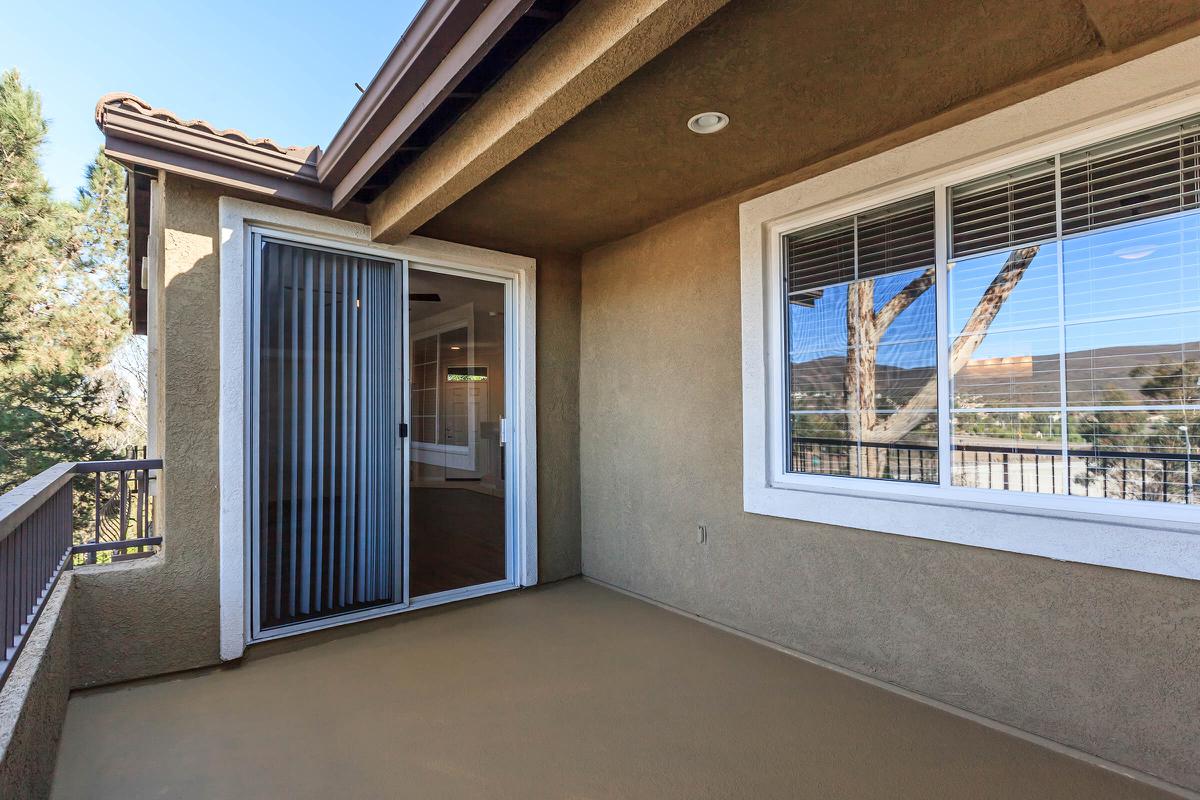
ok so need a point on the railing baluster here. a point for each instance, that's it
(123, 512)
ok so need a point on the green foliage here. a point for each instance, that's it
(62, 291)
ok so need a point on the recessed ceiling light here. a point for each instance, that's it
(708, 122)
(1134, 252)
(455, 347)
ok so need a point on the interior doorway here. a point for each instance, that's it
(458, 520)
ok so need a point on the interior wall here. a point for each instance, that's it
(558, 307)
(1101, 659)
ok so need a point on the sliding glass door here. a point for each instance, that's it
(377, 439)
(325, 436)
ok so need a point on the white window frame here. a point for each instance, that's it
(1144, 536)
(237, 219)
(454, 456)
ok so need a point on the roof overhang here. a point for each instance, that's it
(446, 40)
(138, 134)
(443, 43)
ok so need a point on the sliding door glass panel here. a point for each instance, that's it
(326, 431)
(457, 522)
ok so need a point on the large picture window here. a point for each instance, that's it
(1067, 339)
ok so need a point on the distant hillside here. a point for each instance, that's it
(1019, 381)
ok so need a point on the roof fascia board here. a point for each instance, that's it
(469, 50)
(438, 25)
(131, 126)
(203, 166)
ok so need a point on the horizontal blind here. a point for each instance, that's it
(821, 256)
(326, 432)
(896, 238)
(1003, 211)
(1146, 175)
(884, 241)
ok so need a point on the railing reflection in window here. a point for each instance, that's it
(1113, 474)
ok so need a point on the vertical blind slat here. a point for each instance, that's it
(326, 398)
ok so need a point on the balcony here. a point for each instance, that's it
(569, 690)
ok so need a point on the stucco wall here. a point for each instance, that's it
(1101, 659)
(161, 614)
(33, 701)
(558, 416)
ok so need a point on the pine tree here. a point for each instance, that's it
(60, 300)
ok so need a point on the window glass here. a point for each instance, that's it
(1072, 322)
(862, 345)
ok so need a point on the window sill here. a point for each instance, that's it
(1163, 546)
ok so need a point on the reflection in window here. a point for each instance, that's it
(862, 345)
(1074, 359)
(1072, 329)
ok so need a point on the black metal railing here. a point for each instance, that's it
(40, 531)
(119, 510)
(1091, 472)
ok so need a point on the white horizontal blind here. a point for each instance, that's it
(819, 257)
(896, 238)
(1149, 174)
(326, 428)
(1005, 210)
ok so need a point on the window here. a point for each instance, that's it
(1064, 357)
(862, 337)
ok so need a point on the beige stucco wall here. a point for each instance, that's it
(1101, 659)
(33, 700)
(558, 416)
(161, 614)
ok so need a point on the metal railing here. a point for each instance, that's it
(119, 508)
(1091, 472)
(39, 531)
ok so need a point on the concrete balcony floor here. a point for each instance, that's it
(566, 691)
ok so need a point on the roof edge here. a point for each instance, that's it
(137, 133)
(436, 28)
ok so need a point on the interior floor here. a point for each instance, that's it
(568, 690)
(456, 539)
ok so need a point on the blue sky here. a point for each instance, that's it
(284, 70)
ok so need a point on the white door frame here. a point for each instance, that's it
(237, 218)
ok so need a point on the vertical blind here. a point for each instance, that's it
(326, 432)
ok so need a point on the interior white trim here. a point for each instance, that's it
(1146, 537)
(236, 217)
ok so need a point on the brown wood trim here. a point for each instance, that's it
(166, 135)
(229, 173)
(436, 29)
(475, 43)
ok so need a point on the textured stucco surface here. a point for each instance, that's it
(565, 691)
(594, 48)
(33, 702)
(802, 82)
(160, 614)
(1100, 659)
(558, 416)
